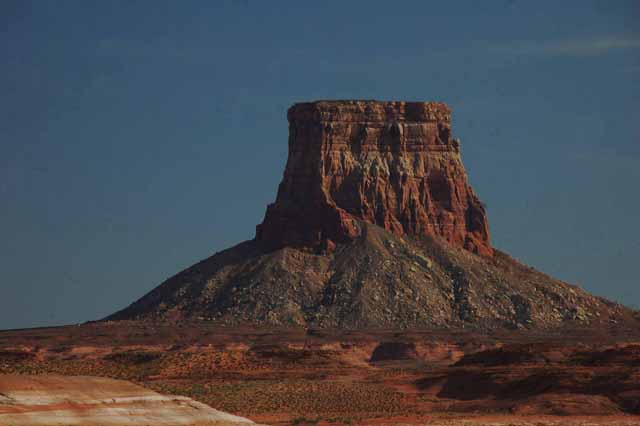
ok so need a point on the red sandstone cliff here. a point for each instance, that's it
(393, 164)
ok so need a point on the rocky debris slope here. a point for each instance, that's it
(375, 225)
(48, 400)
(376, 280)
(393, 164)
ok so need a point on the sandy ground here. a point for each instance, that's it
(513, 421)
(292, 377)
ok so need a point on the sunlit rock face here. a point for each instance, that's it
(393, 164)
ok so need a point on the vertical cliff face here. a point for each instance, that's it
(393, 164)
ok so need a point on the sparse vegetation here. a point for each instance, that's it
(331, 379)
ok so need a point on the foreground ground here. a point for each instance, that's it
(374, 377)
(53, 400)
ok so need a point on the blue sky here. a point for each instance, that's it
(138, 137)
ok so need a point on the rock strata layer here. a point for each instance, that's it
(53, 400)
(392, 164)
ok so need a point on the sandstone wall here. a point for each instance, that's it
(394, 164)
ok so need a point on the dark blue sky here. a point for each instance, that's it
(137, 137)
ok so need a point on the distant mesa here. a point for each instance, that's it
(374, 225)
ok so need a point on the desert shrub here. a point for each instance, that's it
(132, 357)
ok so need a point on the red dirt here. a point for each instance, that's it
(293, 376)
